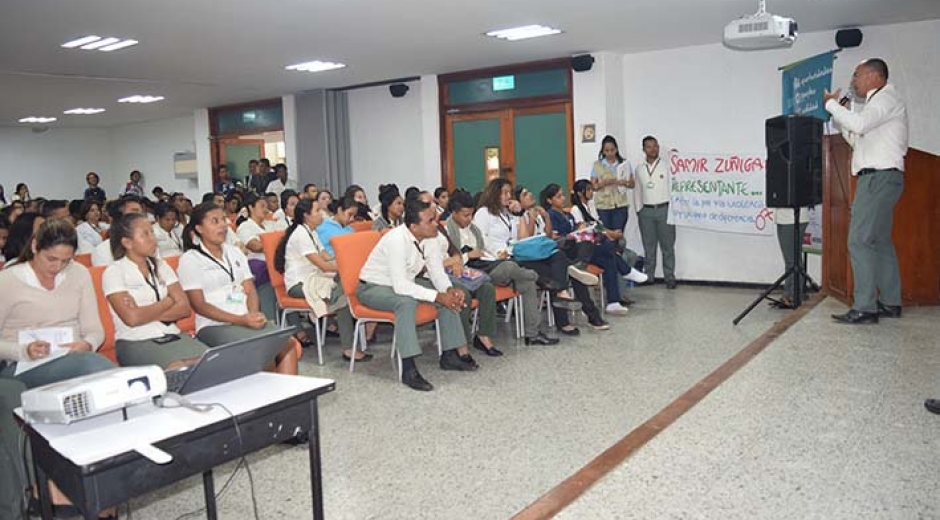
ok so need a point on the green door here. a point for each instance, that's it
(237, 154)
(541, 144)
(470, 141)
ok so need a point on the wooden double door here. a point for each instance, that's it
(529, 146)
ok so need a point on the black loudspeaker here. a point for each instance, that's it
(582, 63)
(794, 161)
(847, 38)
(398, 89)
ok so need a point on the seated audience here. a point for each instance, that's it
(167, 231)
(22, 193)
(101, 254)
(20, 235)
(392, 209)
(91, 231)
(249, 234)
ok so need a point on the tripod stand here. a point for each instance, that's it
(798, 271)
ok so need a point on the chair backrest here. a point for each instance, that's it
(84, 259)
(173, 262)
(104, 313)
(352, 250)
(269, 243)
(362, 225)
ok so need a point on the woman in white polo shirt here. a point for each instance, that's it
(249, 233)
(167, 231)
(220, 288)
(91, 230)
(146, 299)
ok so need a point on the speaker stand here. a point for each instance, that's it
(800, 277)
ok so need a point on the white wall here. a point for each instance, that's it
(395, 139)
(711, 99)
(53, 163)
(149, 147)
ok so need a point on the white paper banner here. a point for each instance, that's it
(719, 192)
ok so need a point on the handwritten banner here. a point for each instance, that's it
(719, 192)
(803, 85)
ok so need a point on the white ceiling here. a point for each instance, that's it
(199, 53)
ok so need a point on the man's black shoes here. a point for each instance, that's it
(412, 379)
(889, 311)
(854, 317)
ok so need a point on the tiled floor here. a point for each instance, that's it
(826, 423)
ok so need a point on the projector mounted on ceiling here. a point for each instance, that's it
(761, 30)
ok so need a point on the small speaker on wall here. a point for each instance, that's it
(398, 89)
(582, 63)
(848, 38)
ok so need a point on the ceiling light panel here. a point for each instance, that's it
(100, 43)
(315, 66)
(141, 99)
(33, 119)
(84, 111)
(524, 32)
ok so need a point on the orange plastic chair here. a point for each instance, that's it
(104, 313)
(506, 293)
(352, 250)
(288, 305)
(84, 259)
(363, 225)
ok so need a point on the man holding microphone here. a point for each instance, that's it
(878, 136)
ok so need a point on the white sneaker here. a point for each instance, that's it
(636, 276)
(582, 276)
(616, 309)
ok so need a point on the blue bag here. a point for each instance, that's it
(534, 248)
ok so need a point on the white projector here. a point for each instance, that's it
(94, 394)
(760, 31)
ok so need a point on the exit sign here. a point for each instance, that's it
(504, 83)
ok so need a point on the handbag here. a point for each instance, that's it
(470, 279)
(534, 248)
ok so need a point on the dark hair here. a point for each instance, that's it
(250, 200)
(308, 185)
(52, 205)
(363, 215)
(208, 196)
(21, 230)
(199, 214)
(89, 174)
(265, 161)
(116, 208)
(352, 190)
(388, 194)
(20, 186)
(280, 166)
(285, 196)
(413, 210)
(302, 208)
(3, 197)
(253, 161)
(580, 188)
(878, 65)
(440, 190)
(610, 139)
(137, 172)
(547, 193)
(649, 138)
(342, 204)
(459, 200)
(75, 208)
(123, 228)
(86, 207)
(51, 233)
(163, 208)
(412, 192)
(489, 198)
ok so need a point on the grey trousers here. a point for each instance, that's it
(344, 320)
(874, 262)
(785, 238)
(12, 476)
(148, 352)
(383, 298)
(486, 322)
(523, 280)
(656, 232)
(216, 335)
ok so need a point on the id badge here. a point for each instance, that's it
(650, 185)
(236, 296)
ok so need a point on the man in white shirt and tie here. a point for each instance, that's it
(651, 199)
(391, 281)
(878, 136)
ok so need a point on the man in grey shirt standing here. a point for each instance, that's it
(878, 136)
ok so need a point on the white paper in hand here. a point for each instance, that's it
(54, 336)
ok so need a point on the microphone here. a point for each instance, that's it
(846, 99)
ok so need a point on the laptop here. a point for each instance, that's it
(228, 362)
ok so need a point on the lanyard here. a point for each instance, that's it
(230, 271)
(649, 172)
(152, 279)
(424, 268)
(176, 240)
(313, 240)
(506, 221)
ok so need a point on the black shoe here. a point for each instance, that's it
(932, 405)
(889, 311)
(542, 339)
(572, 332)
(412, 379)
(492, 351)
(670, 284)
(599, 324)
(451, 361)
(366, 357)
(297, 440)
(330, 333)
(626, 302)
(854, 317)
(468, 359)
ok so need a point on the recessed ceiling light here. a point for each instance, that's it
(315, 66)
(140, 99)
(522, 33)
(84, 111)
(33, 119)
(90, 43)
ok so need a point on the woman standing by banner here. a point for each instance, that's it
(611, 176)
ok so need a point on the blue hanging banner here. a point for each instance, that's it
(804, 83)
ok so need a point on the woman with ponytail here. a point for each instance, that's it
(146, 299)
(220, 287)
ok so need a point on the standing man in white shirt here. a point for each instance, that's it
(878, 136)
(651, 197)
(391, 281)
(281, 183)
